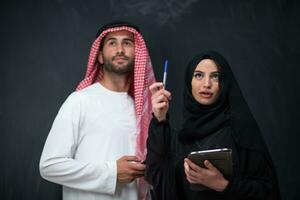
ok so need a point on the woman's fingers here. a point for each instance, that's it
(160, 105)
(210, 166)
(190, 176)
(161, 92)
(193, 172)
(160, 100)
(193, 166)
(190, 179)
(155, 87)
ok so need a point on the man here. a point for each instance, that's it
(97, 142)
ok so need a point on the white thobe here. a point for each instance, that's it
(93, 128)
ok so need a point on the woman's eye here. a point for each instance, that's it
(198, 75)
(215, 77)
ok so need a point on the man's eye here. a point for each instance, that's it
(128, 43)
(112, 43)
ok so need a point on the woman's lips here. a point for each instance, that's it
(206, 94)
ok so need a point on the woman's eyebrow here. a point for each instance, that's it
(198, 71)
(214, 72)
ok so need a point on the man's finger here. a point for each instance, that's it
(139, 173)
(137, 166)
(131, 158)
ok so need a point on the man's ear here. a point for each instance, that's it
(100, 57)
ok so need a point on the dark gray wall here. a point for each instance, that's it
(44, 49)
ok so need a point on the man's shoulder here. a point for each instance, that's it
(89, 90)
(87, 95)
(74, 98)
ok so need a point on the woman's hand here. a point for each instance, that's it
(160, 100)
(210, 176)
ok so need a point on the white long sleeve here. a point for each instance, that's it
(88, 135)
(57, 162)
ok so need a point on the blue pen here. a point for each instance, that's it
(165, 74)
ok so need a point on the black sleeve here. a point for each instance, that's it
(160, 171)
(255, 181)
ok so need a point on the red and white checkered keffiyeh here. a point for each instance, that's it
(143, 78)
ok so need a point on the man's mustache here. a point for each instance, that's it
(120, 55)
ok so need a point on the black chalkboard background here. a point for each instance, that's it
(44, 47)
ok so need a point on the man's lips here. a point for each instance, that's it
(120, 58)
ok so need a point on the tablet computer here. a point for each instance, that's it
(220, 158)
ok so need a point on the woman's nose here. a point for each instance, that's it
(207, 82)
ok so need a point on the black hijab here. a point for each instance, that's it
(229, 109)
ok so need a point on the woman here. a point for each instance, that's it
(215, 116)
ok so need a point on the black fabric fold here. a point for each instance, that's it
(230, 120)
(231, 108)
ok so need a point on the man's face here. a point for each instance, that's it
(117, 55)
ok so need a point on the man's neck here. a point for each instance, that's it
(115, 82)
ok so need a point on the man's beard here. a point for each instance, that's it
(121, 69)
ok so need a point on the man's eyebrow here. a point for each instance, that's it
(129, 39)
(113, 38)
(110, 38)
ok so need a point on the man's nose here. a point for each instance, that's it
(120, 48)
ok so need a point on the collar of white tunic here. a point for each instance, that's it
(98, 84)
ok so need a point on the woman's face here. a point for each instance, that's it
(205, 82)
